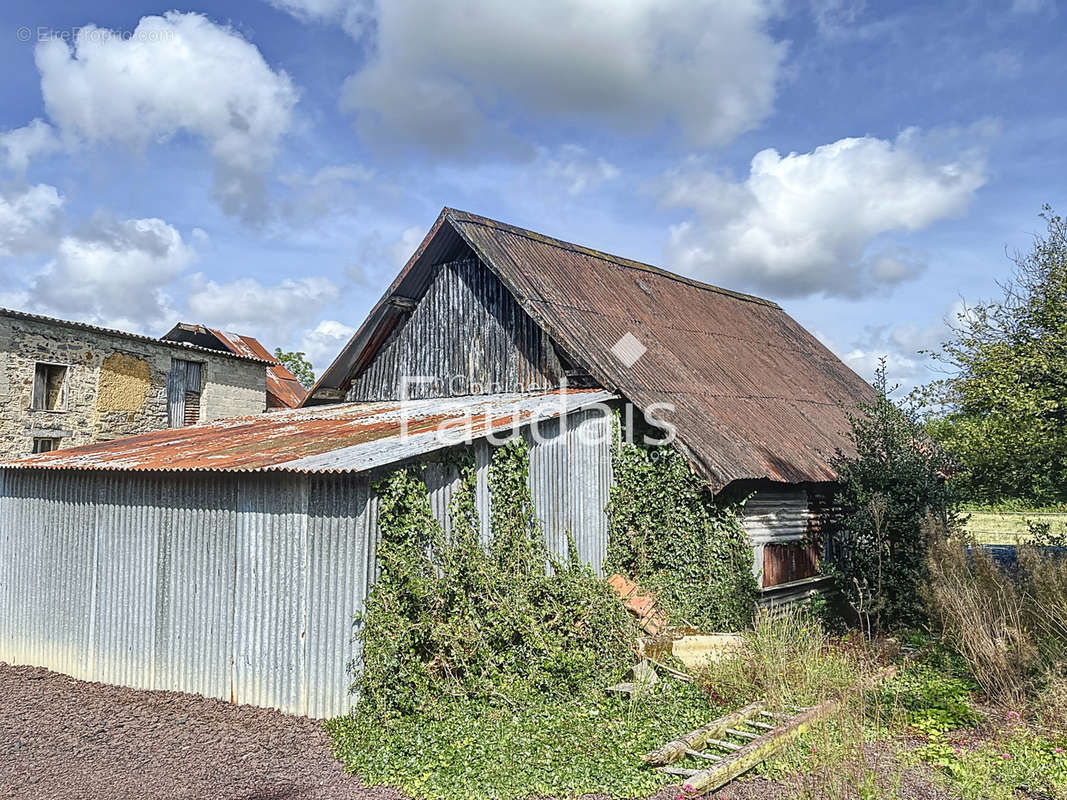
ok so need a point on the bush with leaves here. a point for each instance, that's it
(886, 489)
(1004, 403)
(451, 620)
(667, 533)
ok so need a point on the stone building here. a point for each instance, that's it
(67, 383)
(283, 389)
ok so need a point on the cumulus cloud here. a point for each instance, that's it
(455, 78)
(818, 222)
(322, 343)
(21, 145)
(176, 73)
(114, 273)
(248, 306)
(30, 219)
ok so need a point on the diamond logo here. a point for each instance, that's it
(628, 350)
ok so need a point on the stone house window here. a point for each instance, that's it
(49, 387)
(44, 445)
(184, 385)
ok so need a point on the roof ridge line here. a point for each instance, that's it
(629, 263)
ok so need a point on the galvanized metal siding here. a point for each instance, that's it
(775, 516)
(570, 481)
(47, 571)
(342, 545)
(224, 586)
(240, 587)
(196, 557)
(469, 335)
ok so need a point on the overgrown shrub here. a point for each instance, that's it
(449, 619)
(667, 534)
(894, 480)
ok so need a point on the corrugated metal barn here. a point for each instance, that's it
(230, 559)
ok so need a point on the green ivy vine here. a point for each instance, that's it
(451, 620)
(667, 533)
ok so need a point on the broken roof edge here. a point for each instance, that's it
(138, 337)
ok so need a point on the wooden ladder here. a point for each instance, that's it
(718, 740)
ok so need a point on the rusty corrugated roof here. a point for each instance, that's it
(281, 383)
(755, 395)
(350, 437)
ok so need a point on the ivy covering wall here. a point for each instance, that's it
(449, 619)
(667, 533)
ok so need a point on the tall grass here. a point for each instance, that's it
(788, 660)
(1010, 628)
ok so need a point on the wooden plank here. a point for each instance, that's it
(756, 751)
(698, 754)
(742, 734)
(695, 740)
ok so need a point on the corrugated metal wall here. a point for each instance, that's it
(240, 587)
(773, 518)
(470, 335)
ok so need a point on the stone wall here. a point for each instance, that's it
(115, 385)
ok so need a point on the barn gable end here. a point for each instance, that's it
(466, 335)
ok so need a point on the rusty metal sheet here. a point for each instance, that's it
(756, 395)
(351, 437)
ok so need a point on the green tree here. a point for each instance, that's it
(297, 363)
(1004, 406)
(886, 489)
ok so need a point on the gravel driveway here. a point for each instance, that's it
(64, 738)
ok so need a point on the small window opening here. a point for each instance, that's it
(49, 387)
(44, 445)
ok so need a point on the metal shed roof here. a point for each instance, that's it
(349, 437)
(755, 395)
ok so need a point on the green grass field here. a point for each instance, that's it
(1009, 527)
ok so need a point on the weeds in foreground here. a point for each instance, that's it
(786, 658)
(1011, 629)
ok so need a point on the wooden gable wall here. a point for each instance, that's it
(467, 335)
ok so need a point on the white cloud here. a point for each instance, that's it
(22, 145)
(175, 73)
(270, 312)
(578, 170)
(114, 273)
(29, 219)
(816, 222)
(903, 346)
(456, 78)
(353, 15)
(322, 343)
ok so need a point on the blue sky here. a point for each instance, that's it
(268, 166)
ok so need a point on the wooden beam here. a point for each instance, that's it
(695, 740)
(744, 759)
